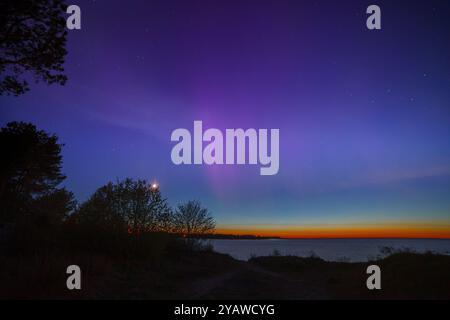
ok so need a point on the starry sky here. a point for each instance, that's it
(364, 116)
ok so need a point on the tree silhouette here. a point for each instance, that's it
(192, 219)
(129, 204)
(163, 215)
(32, 43)
(101, 210)
(53, 208)
(30, 167)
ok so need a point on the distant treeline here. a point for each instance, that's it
(230, 236)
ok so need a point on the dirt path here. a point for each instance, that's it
(203, 287)
(249, 281)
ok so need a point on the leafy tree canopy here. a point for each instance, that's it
(131, 204)
(32, 43)
(30, 165)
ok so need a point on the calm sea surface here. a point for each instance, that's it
(328, 249)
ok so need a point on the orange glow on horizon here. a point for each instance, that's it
(396, 230)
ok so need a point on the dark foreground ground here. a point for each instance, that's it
(209, 275)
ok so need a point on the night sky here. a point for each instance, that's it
(364, 116)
